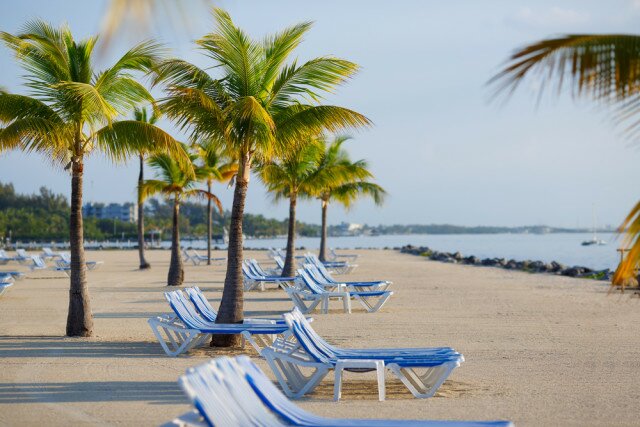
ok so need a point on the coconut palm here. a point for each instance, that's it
(257, 105)
(602, 67)
(286, 177)
(141, 115)
(339, 179)
(72, 113)
(213, 167)
(176, 183)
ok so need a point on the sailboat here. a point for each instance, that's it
(594, 240)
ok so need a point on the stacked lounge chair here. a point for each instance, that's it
(235, 392)
(65, 262)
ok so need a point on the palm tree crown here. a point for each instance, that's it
(258, 104)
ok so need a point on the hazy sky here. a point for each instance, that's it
(440, 149)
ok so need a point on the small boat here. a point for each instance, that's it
(594, 240)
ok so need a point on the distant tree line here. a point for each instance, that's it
(45, 216)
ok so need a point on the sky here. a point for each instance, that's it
(441, 149)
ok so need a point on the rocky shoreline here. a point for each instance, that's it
(528, 266)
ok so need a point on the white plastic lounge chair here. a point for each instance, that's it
(197, 259)
(22, 256)
(311, 291)
(422, 371)
(253, 280)
(185, 329)
(65, 262)
(338, 267)
(5, 258)
(16, 275)
(333, 256)
(5, 283)
(274, 271)
(235, 392)
(48, 253)
(39, 264)
(322, 280)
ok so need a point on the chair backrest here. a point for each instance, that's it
(305, 326)
(185, 311)
(47, 252)
(221, 393)
(248, 271)
(304, 340)
(38, 262)
(313, 271)
(3, 254)
(65, 257)
(255, 266)
(22, 253)
(279, 261)
(201, 303)
(269, 393)
(308, 281)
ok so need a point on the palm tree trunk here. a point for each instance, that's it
(176, 271)
(209, 224)
(323, 236)
(79, 318)
(289, 261)
(143, 262)
(231, 307)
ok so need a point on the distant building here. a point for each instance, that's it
(348, 229)
(126, 212)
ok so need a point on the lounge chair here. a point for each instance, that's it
(338, 267)
(186, 328)
(16, 275)
(5, 258)
(310, 291)
(274, 271)
(333, 256)
(253, 280)
(22, 256)
(288, 361)
(39, 264)
(328, 282)
(235, 392)
(48, 253)
(65, 262)
(197, 259)
(5, 283)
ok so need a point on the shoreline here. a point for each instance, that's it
(528, 266)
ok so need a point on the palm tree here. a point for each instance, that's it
(285, 178)
(602, 67)
(341, 180)
(213, 167)
(258, 105)
(141, 115)
(72, 113)
(176, 183)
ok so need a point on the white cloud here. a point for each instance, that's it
(552, 17)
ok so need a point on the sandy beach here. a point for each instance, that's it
(540, 349)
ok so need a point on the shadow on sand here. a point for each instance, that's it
(50, 346)
(154, 392)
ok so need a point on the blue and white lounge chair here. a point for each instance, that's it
(22, 256)
(253, 280)
(333, 256)
(321, 279)
(235, 392)
(193, 256)
(16, 275)
(5, 258)
(48, 253)
(274, 271)
(38, 263)
(338, 267)
(313, 293)
(65, 262)
(6, 281)
(186, 328)
(421, 370)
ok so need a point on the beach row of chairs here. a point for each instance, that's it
(61, 262)
(191, 255)
(300, 359)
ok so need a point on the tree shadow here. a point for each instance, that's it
(48, 346)
(126, 315)
(154, 392)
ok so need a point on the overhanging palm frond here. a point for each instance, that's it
(348, 193)
(628, 267)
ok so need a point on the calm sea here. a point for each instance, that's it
(564, 248)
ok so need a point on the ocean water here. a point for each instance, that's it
(560, 247)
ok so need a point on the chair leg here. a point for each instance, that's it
(427, 384)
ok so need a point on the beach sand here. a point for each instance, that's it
(540, 349)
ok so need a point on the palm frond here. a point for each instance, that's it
(630, 226)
